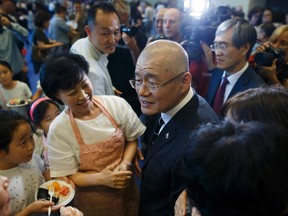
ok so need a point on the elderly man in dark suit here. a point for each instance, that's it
(233, 43)
(163, 84)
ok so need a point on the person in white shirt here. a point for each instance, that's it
(103, 32)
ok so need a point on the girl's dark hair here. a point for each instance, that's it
(62, 71)
(40, 110)
(6, 64)
(9, 122)
(40, 18)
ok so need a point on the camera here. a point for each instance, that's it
(131, 32)
(203, 30)
(192, 45)
(267, 57)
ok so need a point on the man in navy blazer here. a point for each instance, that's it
(233, 43)
(163, 84)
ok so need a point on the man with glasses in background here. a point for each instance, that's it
(231, 73)
(172, 109)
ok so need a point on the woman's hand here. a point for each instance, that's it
(115, 179)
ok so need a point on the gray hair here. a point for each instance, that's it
(243, 33)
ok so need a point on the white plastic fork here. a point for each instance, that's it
(51, 193)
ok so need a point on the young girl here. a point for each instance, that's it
(25, 171)
(11, 89)
(42, 112)
(93, 141)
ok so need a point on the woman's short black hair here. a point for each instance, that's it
(62, 71)
(40, 18)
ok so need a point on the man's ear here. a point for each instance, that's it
(186, 80)
(88, 31)
(246, 47)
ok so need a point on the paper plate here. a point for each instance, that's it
(17, 105)
(63, 200)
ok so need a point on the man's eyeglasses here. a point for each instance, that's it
(150, 86)
(221, 46)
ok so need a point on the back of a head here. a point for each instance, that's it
(175, 58)
(268, 28)
(59, 8)
(237, 169)
(267, 104)
(122, 7)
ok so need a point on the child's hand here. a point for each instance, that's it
(37, 207)
(115, 179)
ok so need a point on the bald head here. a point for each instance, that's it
(172, 24)
(170, 55)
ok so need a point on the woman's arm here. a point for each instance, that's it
(128, 155)
(44, 46)
(107, 177)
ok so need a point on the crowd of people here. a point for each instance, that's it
(140, 112)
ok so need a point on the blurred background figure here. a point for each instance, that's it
(40, 39)
(264, 31)
(158, 23)
(148, 18)
(272, 58)
(254, 16)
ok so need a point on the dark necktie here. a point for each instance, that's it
(219, 98)
(156, 131)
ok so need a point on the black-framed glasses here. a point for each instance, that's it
(219, 46)
(150, 86)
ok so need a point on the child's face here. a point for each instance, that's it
(6, 76)
(79, 98)
(4, 197)
(51, 113)
(20, 149)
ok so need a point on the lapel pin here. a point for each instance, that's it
(167, 135)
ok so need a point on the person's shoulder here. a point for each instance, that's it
(21, 84)
(61, 120)
(111, 99)
(81, 46)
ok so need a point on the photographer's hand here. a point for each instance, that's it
(261, 48)
(132, 45)
(208, 56)
(270, 73)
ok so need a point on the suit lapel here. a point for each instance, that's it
(175, 126)
(241, 83)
